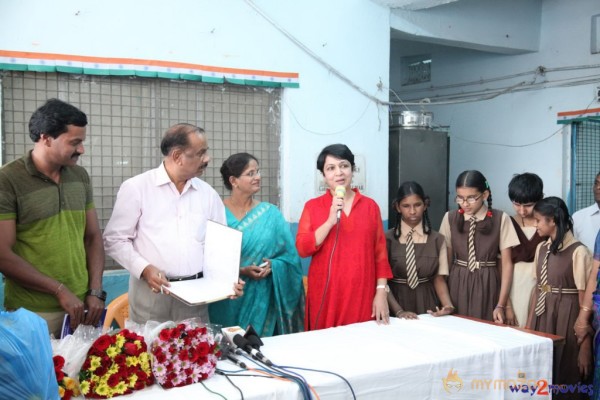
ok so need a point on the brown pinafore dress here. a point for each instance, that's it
(561, 311)
(476, 293)
(423, 297)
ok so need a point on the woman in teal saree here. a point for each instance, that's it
(273, 300)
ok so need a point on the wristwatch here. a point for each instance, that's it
(384, 287)
(99, 293)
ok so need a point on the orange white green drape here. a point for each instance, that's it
(567, 117)
(74, 64)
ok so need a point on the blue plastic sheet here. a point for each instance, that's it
(26, 366)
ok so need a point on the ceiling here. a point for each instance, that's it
(503, 27)
(413, 5)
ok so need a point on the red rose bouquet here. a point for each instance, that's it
(184, 354)
(67, 386)
(115, 365)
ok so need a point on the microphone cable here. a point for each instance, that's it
(322, 371)
(270, 372)
(212, 391)
(300, 377)
(220, 372)
(337, 233)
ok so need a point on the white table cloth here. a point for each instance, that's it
(408, 359)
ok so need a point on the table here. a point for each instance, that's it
(413, 359)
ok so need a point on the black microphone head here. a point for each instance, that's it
(254, 341)
(252, 336)
(240, 341)
(250, 331)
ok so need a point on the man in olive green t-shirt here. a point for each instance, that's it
(51, 251)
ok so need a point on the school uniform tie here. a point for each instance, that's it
(472, 261)
(540, 306)
(411, 261)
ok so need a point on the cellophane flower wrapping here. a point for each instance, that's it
(184, 353)
(116, 364)
(73, 348)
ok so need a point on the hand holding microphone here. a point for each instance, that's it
(340, 192)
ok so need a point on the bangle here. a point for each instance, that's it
(58, 289)
(500, 306)
(584, 308)
(448, 308)
(582, 326)
(399, 312)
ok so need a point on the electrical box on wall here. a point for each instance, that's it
(597, 94)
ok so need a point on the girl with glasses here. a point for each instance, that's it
(419, 258)
(476, 235)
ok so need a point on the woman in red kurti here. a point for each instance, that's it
(347, 278)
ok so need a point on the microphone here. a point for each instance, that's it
(245, 345)
(230, 332)
(227, 352)
(252, 336)
(237, 362)
(340, 192)
(254, 341)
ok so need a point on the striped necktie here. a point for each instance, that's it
(540, 306)
(472, 264)
(411, 261)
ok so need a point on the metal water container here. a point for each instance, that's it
(416, 119)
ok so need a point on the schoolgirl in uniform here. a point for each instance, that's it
(563, 265)
(524, 190)
(418, 257)
(476, 235)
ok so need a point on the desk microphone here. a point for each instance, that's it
(228, 355)
(245, 345)
(340, 192)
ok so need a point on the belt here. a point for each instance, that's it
(185, 278)
(557, 290)
(405, 281)
(478, 264)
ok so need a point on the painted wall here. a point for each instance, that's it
(350, 36)
(480, 131)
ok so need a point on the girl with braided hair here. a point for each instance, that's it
(412, 244)
(479, 241)
(563, 266)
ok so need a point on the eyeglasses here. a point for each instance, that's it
(252, 174)
(470, 199)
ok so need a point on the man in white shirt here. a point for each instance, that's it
(586, 222)
(158, 225)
